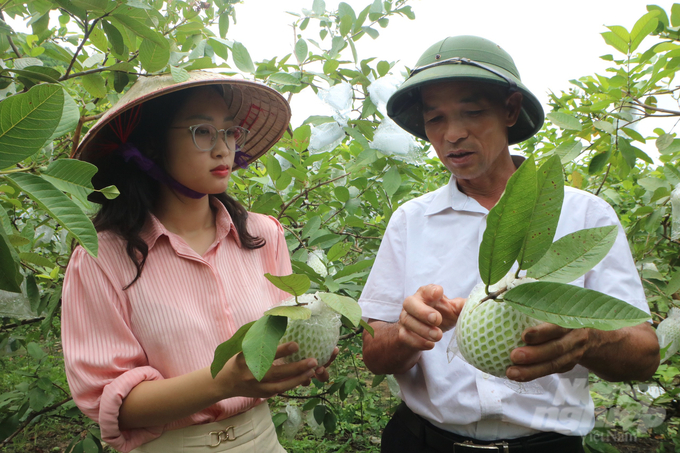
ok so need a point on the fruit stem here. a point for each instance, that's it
(494, 295)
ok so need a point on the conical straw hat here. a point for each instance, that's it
(258, 108)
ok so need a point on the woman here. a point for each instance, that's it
(180, 268)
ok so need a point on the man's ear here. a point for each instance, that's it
(513, 105)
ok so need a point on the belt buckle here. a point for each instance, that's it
(227, 434)
(494, 446)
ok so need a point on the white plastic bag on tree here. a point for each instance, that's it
(318, 430)
(381, 90)
(394, 141)
(339, 98)
(668, 332)
(293, 423)
(326, 137)
(675, 213)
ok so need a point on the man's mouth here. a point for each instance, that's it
(458, 154)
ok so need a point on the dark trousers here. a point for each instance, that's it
(410, 433)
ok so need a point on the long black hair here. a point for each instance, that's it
(126, 214)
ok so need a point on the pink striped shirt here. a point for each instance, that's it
(169, 322)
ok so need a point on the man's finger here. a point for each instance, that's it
(543, 333)
(430, 294)
(426, 331)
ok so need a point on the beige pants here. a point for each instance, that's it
(250, 432)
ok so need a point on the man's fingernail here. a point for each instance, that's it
(432, 318)
(311, 363)
(513, 374)
(520, 356)
(433, 334)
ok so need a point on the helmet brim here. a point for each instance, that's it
(405, 106)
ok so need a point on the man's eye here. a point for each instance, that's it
(434, 119)
(474, 112)
(203, 131)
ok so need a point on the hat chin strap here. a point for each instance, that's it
(129, 152)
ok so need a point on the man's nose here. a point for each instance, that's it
(455, 131)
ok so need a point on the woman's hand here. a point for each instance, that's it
(321, 373)
(235, 379)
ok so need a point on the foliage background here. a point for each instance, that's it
(333, 196)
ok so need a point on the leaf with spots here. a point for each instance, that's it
(546, 213)
(573, 307)
(574, 254)
(507, 224)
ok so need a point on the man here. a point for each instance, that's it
(466, 98)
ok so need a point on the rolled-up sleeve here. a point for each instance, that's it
(103, 359)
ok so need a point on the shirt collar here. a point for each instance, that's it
(153, 228)
(450, 197)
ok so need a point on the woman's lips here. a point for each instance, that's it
(220, 171)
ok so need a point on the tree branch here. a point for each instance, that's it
(76, 134)
(306, 191)
(96, 70)
(637, 103)
(33, 416)
(80, 46)
(597, 192)
(6, 327)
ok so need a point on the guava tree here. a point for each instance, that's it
(594, 129)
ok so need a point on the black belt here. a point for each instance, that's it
(448, 442)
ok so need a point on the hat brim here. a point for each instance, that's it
(405, 106)
(257, 107)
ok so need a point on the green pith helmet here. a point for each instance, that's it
(464, 58)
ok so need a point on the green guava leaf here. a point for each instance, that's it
(27, 121)
(368, 328)
(10, 273)
(565, 121)
(574, 254)
(60, 207)
(290, 311)
(295, 284)
(260, 343)
(229, 349)
(242, 58)
(573, 307)
(346, 306)
(507, 224)
(154, 57)
(72, 176)
(546, 213)
(70, 116)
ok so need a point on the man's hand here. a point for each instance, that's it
(426, 315)
(626, 354)
(550, 349)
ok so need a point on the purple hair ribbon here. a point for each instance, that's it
(241, 159)
(131, 153)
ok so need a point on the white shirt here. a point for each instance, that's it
(435, 239)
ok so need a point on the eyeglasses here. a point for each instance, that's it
(205, 136)
(466, 61)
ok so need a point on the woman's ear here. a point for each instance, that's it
(513, 105)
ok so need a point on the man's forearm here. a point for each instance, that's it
(384, 353)
(627, 354)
